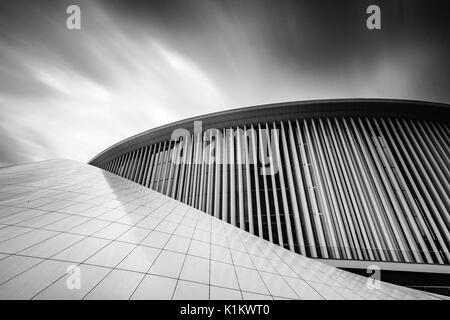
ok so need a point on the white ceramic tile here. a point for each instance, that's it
(198, 248)
(168, 264)
(12, 231)
(140, 259)
(130, 219)
(277, 286)
(156, 239)
(52, 246)
(184, 231)
(178, 244)
(250, 280)
(255, 296)
(326, 292)
(167, 227)
(303, 289)
(224, 294)
(221, 254)
(263, 264)
(112, 231)
(134, 235)
(14, 265)
(24, 241)
(75, 284)
(32, 281)
(118, 284)
(191, 291)
(43, 220)
(89, 227)
(241, 259)
(81, 250)
(66, 223)
(196, 269)
(223, 275)
(149, 223)
(111, 255)
(113, 215)
(155, 288)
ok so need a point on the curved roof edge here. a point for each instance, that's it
(282, 111)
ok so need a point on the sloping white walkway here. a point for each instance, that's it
(72, 231)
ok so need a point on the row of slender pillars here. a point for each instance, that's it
(344, 188)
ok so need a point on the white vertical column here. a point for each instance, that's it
(427, 186)
(139, 162)
(333, 151)
(438, 172)
(160, 163)
(189, 167)
(202, 192)
(172, 166)
(240, 185)
(210, 176)
(375, 213)
(291, 189)
(167, 164)
(435, 149)
(444, 142)
(404, 202)
(152, 166)
(124, 164)
(440, 144)
(445, 131)
(393, 238)
(113, 165)
(424, 163)
(116, 165)
(121, 165)
(311, 193)
(339, 226)
(232, 179)
(180, 185)
(365, 222)
(218, 164)
(385, 198)
(325, 215)
(407, 167)
(265, 187)
(287, 219)
(144, 165)
(133, 165)
(399, 204)
(256, 177)
(246, 159)
(225, 161)
(129, 165)
(196, 164)
(301, 193)
(148, 164)
(274, 185)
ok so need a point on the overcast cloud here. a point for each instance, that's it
(135, 65)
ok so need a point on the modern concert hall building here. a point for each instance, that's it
(351, 183)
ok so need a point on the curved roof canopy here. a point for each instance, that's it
(279, 112)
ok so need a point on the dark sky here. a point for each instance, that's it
(135, 65)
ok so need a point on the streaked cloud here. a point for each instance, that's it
(70, 94)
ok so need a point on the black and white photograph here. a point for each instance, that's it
(224, 150)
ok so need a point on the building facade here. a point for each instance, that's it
(365, 180)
